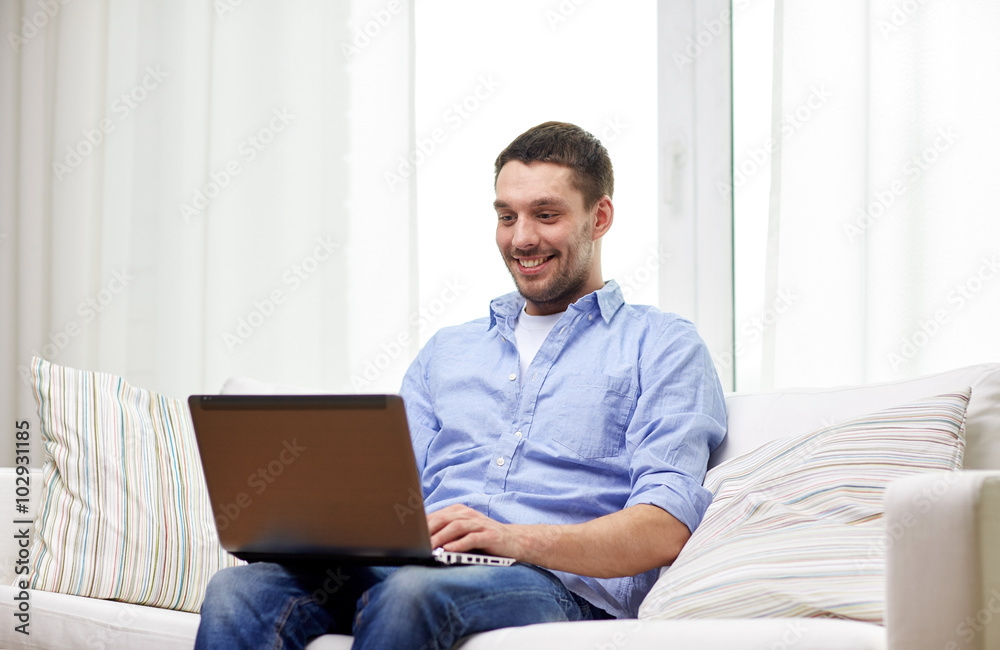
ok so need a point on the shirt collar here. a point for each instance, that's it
(606, 300)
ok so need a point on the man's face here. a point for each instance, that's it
(545, 235)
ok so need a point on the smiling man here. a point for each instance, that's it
(568, 430)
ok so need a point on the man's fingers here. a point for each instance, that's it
(435, 522)
(454, 530)
(470, 542)
(456, 512)
(439, 519)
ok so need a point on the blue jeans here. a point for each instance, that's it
(270, 606)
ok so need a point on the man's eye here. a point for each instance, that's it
(546, 215)
(505, 217)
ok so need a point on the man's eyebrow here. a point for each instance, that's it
(537, 203)
(544, 201)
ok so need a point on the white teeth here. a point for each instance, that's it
(531, 263)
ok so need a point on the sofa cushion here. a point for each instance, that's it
(61, 621)
(757, 418)
(716, 634)
(123, 511)
(795, 528)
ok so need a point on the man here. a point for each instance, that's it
(568, 430)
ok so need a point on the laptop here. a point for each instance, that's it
(316, 478)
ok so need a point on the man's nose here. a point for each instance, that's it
(525, 234)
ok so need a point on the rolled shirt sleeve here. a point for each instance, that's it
(679, 418)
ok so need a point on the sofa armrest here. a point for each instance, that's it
(943, 561)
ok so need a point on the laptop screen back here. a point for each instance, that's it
(311, 475)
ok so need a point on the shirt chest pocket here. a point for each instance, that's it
(592, 414)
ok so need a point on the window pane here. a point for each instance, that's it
(752, 46)
(887, 253)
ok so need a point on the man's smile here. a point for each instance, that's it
(532, 265)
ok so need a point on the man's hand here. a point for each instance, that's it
(461, 529)
(625, 543)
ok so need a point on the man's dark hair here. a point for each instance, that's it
(569, 145)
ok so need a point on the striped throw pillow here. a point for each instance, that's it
(124, 512)
(795, 528)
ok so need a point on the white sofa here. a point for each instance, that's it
(943, 575)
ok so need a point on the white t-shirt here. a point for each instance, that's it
(529, 333)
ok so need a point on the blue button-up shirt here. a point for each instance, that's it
(620, 406)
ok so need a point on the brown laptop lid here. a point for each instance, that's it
(311, 476)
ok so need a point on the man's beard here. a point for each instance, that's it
(569, 282)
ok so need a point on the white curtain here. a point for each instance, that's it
(883, 235)
(193, 190)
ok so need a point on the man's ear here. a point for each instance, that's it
(604, 215)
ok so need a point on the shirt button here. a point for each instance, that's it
(500, 462)
(590, 317)
(518, 434)
(512, 376)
